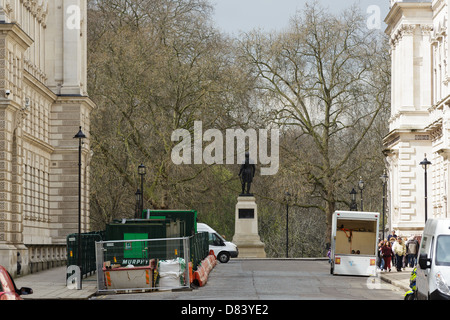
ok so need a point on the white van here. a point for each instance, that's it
(223, 250)
(433, 270)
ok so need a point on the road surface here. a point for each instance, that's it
(295, 279)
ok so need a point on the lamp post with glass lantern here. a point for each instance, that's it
(80, 136)
(425, 163)
(353, 205)
(288, 195)
(361, 188)
(138, 196)
(384, 178)
(141, 172)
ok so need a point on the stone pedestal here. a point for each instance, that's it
(246, 235)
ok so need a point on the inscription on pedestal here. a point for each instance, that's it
(246, 213)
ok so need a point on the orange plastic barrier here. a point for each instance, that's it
(202, 272)
(191, 274)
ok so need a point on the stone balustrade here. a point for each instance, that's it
(43, 257)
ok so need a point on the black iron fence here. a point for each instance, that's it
(87, 253)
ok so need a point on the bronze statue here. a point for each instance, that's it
(246, 174)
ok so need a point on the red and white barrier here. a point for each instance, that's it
(202, 272)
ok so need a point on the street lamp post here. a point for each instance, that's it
(141, 172)
(80, 136)
(353, 205)
(138, 196)
(361, 187)
(288, 195)
(425, 163)
(384, 178)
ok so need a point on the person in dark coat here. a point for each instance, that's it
(386, 253)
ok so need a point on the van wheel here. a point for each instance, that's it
(223, 257)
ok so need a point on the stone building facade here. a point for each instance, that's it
(43, 101)
(420, 114)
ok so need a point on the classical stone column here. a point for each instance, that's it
(407, 63)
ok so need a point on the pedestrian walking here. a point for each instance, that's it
(392, 241)
(393, 235)
(412, 248)
(386, 253)
(399, 251)
(405, 257)
(380, 262)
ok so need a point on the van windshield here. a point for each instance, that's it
(215, 239)
(443, 250)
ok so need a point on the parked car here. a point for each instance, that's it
(223, 250)
(8, 289)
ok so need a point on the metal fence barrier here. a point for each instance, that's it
(144, 265)
(199, 248)
(87, 257)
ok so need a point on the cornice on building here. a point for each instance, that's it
(17, 34)
(399, 13)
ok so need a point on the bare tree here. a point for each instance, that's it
(154, 67)
(327, 76)
(159, 65)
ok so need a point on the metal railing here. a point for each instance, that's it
(88, 265)
(199, 248)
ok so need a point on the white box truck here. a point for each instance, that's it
(354, 242)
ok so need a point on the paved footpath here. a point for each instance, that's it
(398, 279)
(51, 284)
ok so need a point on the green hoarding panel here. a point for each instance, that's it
(135, 249)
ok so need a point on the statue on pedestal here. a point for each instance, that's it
(246, 235)
(246, 174)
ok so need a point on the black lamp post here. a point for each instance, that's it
(353, 205)
(288, 195)
(138, 196)
(361, 187)
(141, 172)
(384, 178)
(425, 163)
(80, 136)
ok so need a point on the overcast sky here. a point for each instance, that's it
(233, 16)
